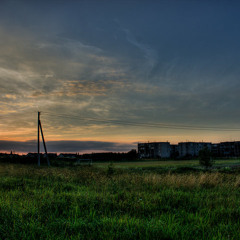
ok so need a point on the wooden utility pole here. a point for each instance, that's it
(44, 144)
(38, 140)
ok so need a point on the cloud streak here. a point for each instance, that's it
(149, 53)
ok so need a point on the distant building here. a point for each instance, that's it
(226, 149)
(154, 150)
(229, 149)
(67, 155)
(237, 149)
(174, 152)
(191, 149)
(215, 150)
(187, 149)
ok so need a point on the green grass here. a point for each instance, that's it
(166, 163)
(112, 203)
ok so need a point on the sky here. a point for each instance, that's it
(152, 62)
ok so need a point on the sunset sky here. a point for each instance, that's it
(151, 62)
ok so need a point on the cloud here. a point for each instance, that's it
(169, 63)
(90, 88)
(149, 53)
(66, 146)
(53, 71)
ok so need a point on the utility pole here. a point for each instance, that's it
(38, 140)
(44, 144)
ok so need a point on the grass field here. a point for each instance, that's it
(167, 163)
(115, 203)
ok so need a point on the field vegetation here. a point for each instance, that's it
(153, 163)
(92, 202)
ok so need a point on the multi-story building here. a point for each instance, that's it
(229, 149)
(154, 150)
(237, 149)
(215, 150)
(187, 149)
(192, 149)
(174, 151)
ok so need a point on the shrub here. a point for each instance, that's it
(205, 158)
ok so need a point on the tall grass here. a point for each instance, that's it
(93, 203)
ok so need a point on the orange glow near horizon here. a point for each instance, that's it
(124, 139)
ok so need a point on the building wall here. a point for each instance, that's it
(154, 150)
(237, 149)
(192, 148)
(187, 149)
(229, 149)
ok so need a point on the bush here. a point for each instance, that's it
(205, 158)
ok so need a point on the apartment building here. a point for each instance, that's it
(187, 149)
(229, 149)
(154, 150)
(192, 149)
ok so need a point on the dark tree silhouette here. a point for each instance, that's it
(205, 158)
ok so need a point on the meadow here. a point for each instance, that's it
(146, 163)
(93, 202)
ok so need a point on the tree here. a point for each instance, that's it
(205, 158)
(132, 155)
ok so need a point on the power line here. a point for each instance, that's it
(141, 124)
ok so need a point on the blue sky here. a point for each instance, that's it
(172, 62)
